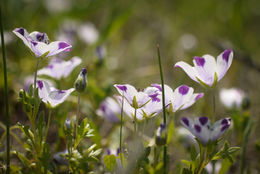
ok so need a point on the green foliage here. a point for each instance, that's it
(110, 162)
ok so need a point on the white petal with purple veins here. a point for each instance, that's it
(190, 71)
(109, 109)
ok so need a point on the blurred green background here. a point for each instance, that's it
(129, 31)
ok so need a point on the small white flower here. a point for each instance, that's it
(232, 97)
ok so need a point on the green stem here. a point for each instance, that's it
(6, 97)
(35, 76)
(121, 126)
(214, 104)
(163, 105)
(77, 116)
(48, 125)
(135, 120)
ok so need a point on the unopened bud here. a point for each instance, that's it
(81, 82)
(67, 123)
(161, 135)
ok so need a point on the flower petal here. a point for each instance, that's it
(22, 34)
(224, 61)
(43, 90)
(181, 95)
(59, 96)
(189, 70)
(192, 100)
(205, 67)
(219, 128)
(126, 90)
(109, 109)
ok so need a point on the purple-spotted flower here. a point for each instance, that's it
(39, 43)
(50, 95)
(109, 109)
(136, 99)
(58, 68)
(179, 99)
(207, 71)
(203, 129)
(232, 98)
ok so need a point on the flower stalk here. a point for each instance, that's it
(121, 126)
(6, 97)
(164, 112)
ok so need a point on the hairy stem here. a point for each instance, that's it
(48, 125)
(121, 126)
(77, 116)
(5, 97)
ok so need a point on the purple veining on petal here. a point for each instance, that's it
(108, 151)
(20, 30)
(122, 87)
(183, 89)
(40, 84)
(154, 97)
(203, 120)
(157, 86)
(224, 121)
(226, 55)
(185, 121)
(200, 95)
(63, 45)
(200, 61)
(225, 127)
(197, 128)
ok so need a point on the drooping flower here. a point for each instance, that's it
(81, 82)
(232, 97)
(136, 99)
(50, 95)
(203, 129)
(207, 71)
(58, 68)
(109, 109)
(39, 43)
(179, 99)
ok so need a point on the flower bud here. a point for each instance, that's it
(81, 82)
(67, 123)
(161, 135)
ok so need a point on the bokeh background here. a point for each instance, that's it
(127, 32)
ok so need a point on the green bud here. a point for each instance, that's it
(161, 135)
(81, 82)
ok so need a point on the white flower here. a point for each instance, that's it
(232, 97)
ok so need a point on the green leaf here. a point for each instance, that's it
(170, 132)
(110, 162)
(193, 153)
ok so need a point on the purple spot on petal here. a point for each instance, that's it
(203, 120)
(50, 66)
(40, 84)
(20, 30)
(84, 71)
(103, 107)
(108, 151)
(224, 127)
(63, 45)
(200, 61)
(185, 121)
(61, 92)
(122, 87)
(117, 151)
(197, 128)
(162, 125)
(183, 89)
(200, 95)
(226, 55)
(157, 86)
(154, 97)
(40, 37)
(224, 121)
(34, 43)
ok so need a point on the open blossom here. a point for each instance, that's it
(232, 97)
(207, 71)
(136, 99)
(51, 95)
(39, 43)
(179, 99)
(203, 129)
(109, 109)
(58, 68)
